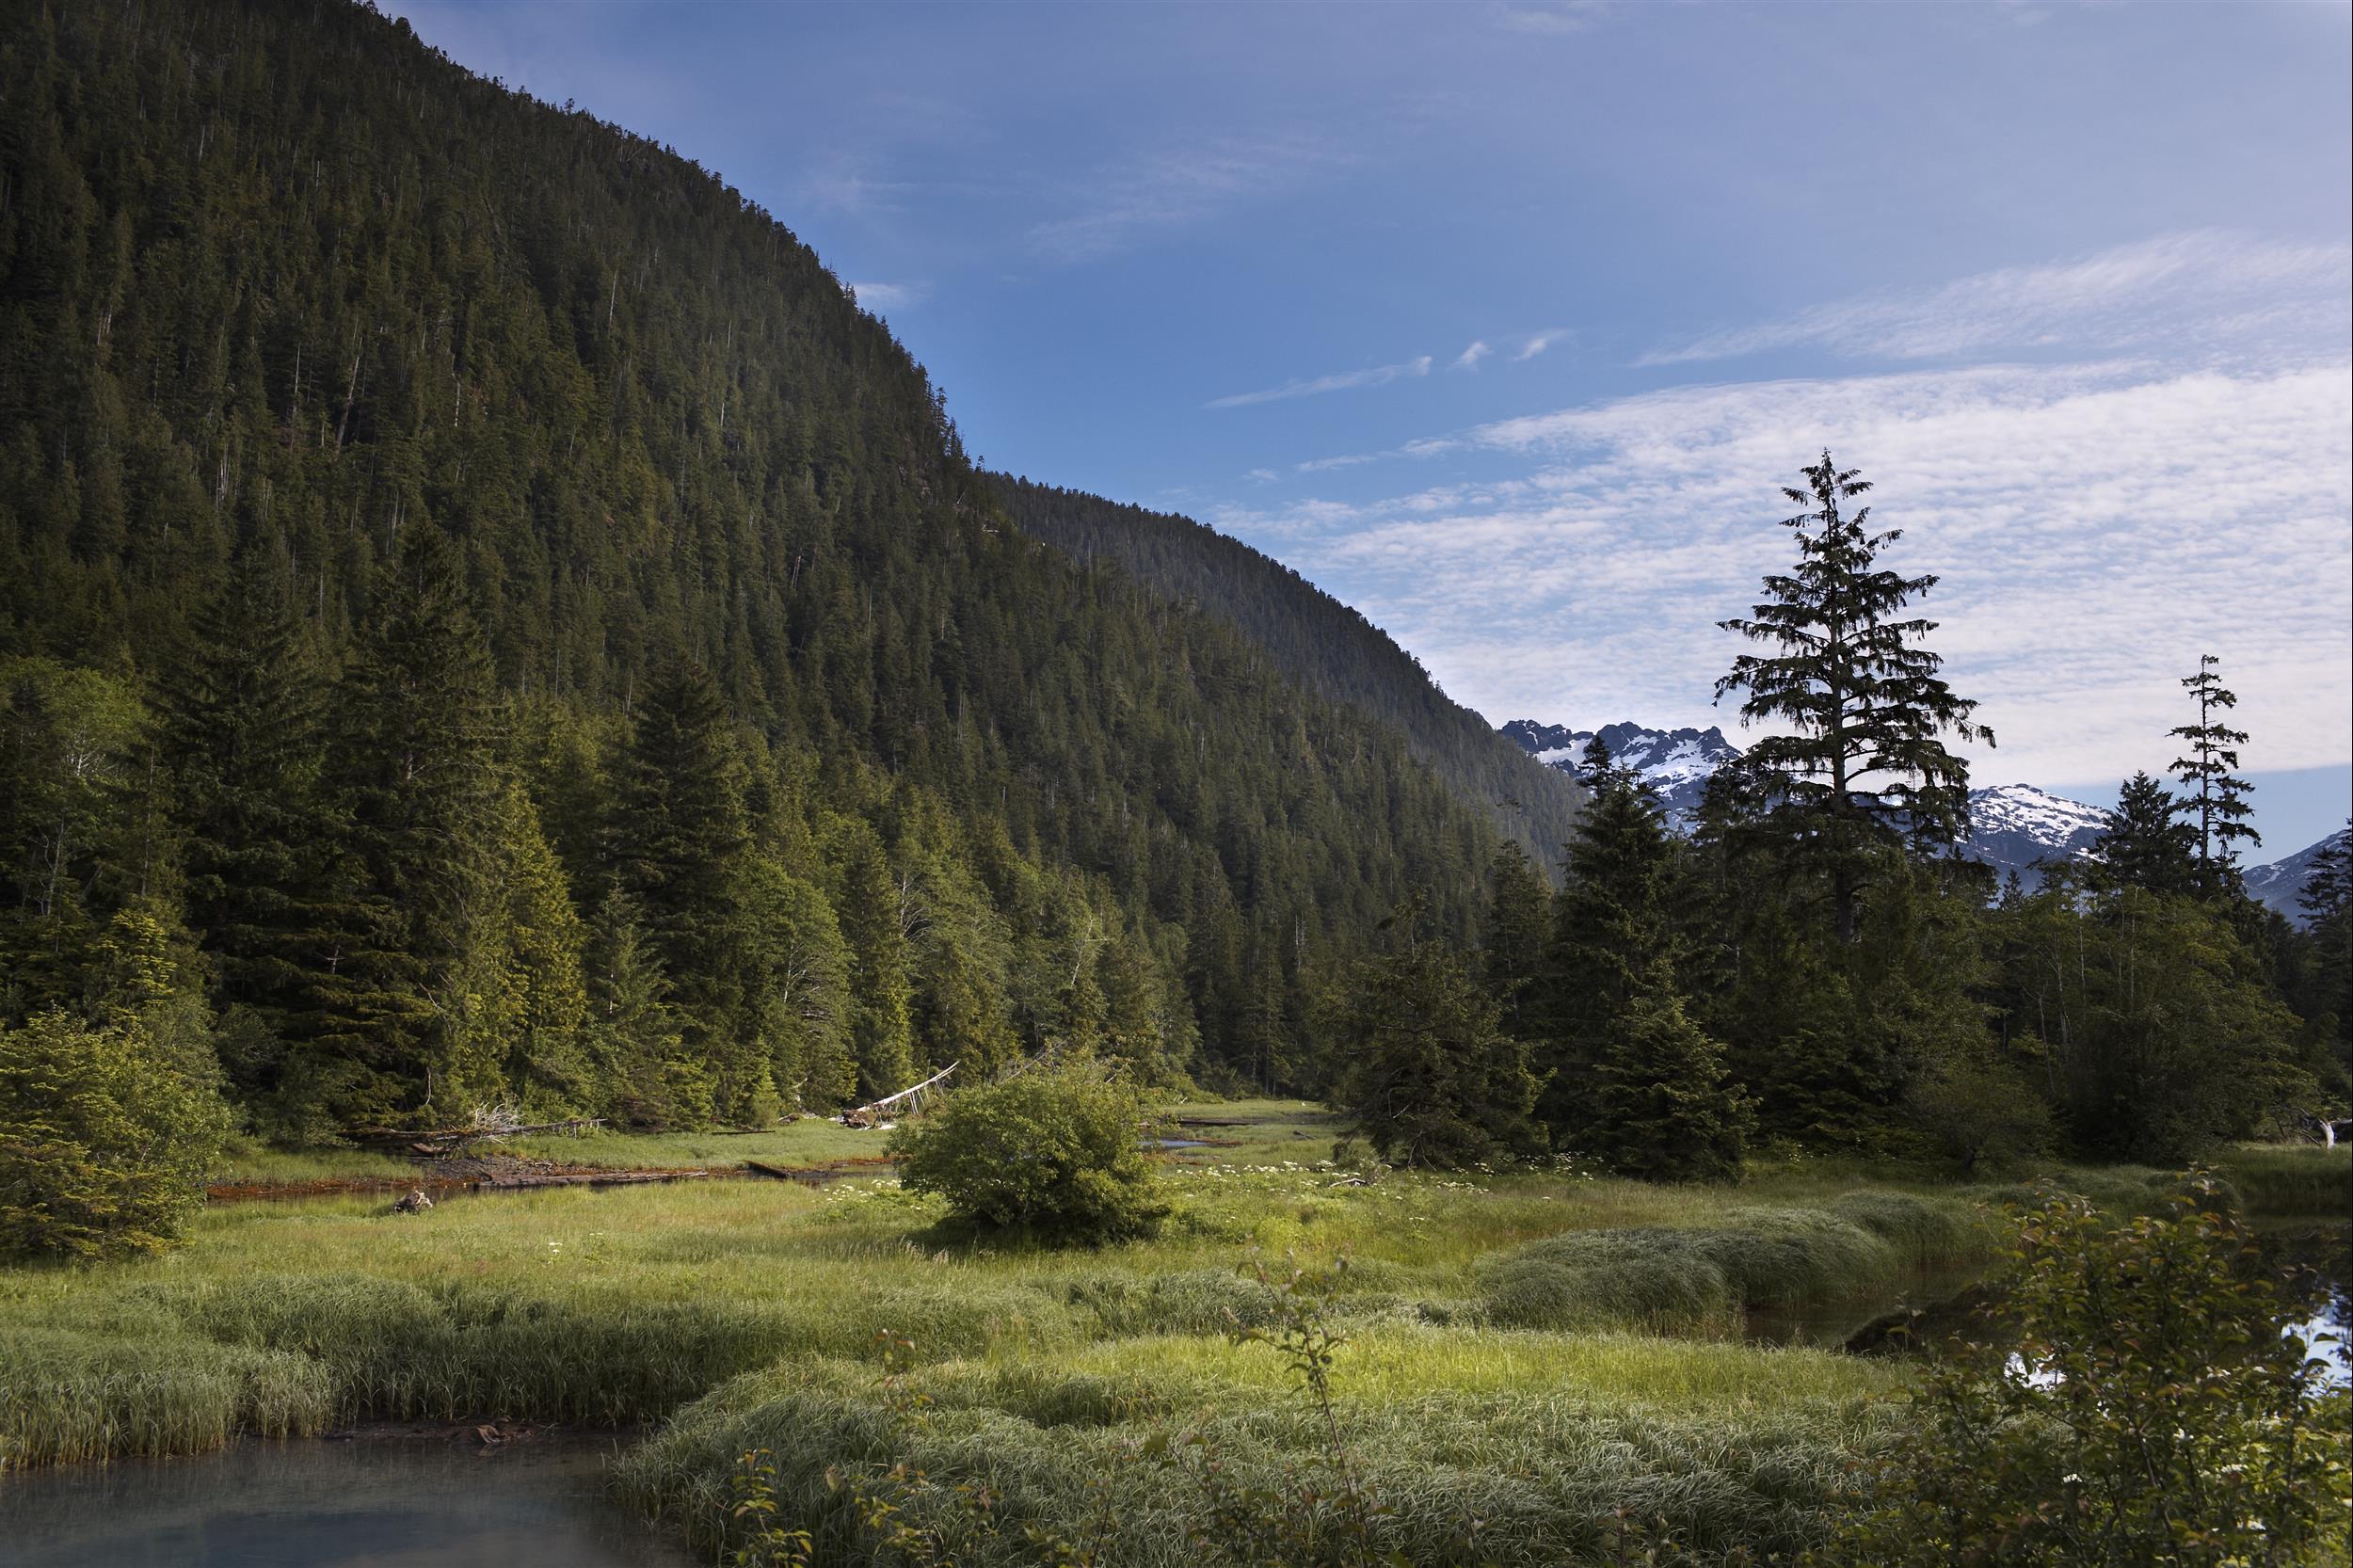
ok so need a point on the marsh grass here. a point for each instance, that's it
(1543, 1350)
(1536, 1451)
(2274, 1178)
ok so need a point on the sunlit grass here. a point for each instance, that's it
(750, 1312)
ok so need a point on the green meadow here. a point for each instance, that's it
(1534, 1351)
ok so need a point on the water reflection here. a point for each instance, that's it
(369, 1503)
(2312, 1259)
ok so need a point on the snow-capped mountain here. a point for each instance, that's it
(2280, 882)
(1677, 762)
(2017, 827)
(2012, 826)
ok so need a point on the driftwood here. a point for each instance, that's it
(583, 1179)
(910, 1098)
(441, 1141)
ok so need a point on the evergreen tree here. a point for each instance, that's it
(1519, 925)
(1658, 1103)
(1430, 1075)
(244, 735)
(1634, 1082)
(522, 1003)
(2214, 796)
(1864, 770)
(2142, 846)
(866, 899)
(801, 977)
(414, 764)
(645, 1076)
(680, 832)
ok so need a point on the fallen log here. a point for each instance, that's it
(871, 1114)
(439, 1140)
(587, 1178)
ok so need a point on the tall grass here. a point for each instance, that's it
(626, 1306)
(67, 1398)
(1540, 1467)
(1700, 1278)
(2274, 1178)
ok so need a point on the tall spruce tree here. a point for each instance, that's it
(2214, 796)
(244, 735)
(1863, 772)
(415, 764)
(1518, 926)
(1634, 1082)
(645, 1076)
(2143, 846)
(680, 833)
(1658, 1103)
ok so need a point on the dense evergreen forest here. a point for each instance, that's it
(487, 621)
(1314, 639)
(486, 617)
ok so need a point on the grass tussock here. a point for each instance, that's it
(1700, 1279)
(1540, 1469)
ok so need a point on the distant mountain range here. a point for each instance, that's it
(2012, 827)
(2277, 885)
(1677, 762)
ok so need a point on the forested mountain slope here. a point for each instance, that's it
(1313, 638)
(397, 474)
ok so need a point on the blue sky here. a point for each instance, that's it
(1505, 323)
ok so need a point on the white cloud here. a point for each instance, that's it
(1169, 190)
(2096, 527)
(1568, 16)
(2171, 288)
(1539, 342)
(1376, 375)
(1469, 357)
(890, 297)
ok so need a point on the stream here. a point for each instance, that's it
(364, 1502)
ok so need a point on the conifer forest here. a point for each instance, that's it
(495, 637)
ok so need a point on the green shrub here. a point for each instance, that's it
(104, 1137)
(2148, 1410)
(1055, 1154)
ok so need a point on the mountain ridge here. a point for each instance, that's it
(1312, 637)
(2012, 827)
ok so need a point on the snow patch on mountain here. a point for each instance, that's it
(2278, 884)
(1677, 762)
(2012, 826)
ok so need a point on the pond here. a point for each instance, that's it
(379, 1501)
(1953, 1302)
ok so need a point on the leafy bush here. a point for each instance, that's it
(2147, 1411)
(1055, 1154)
(105, 1136)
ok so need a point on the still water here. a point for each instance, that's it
(2312, 1257)
(372, 1502)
